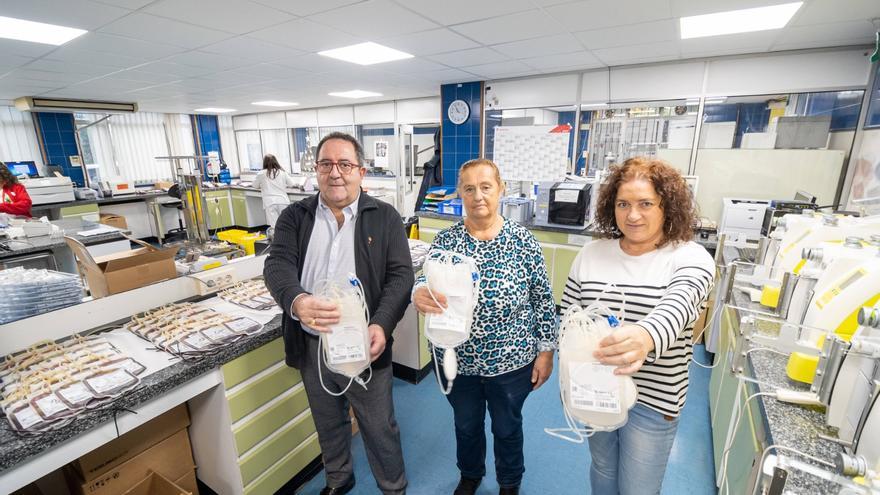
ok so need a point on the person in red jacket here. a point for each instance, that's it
(14, 198)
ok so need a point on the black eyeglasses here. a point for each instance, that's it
(345, 167)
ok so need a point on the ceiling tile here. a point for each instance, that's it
(665, 50)
(9, 61)
(81, 14)
(550, 45)
(234, 16)
(430, 42)
(316, 63)
(375, 19)
(306, 35)
(831, 34)
(307, 7)
(209, 60)
(153, 28)
(87, 68)
(62, 78)
(684, 8)
(410, 66)
(147, 77)
(252, 49)
(728, 44)
(596, 14)
(512, 27)
(510, 68)
(128, 4)
(24, 48)
(464, 58)
(273, 71)
(179, 70)
(458, 11)
(108, 43)
(112, 85)
(581, 59)
(647, 32)
(824, 11)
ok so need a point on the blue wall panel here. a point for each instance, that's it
(460, 142)
(58, 136)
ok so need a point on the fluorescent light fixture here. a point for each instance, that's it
(275, 103)
(355, 93)
(715, 100)
(738, 21)
(594, 105)
(214, 110)
(37, 32)
(368, 53)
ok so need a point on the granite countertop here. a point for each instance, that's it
(15, 448)
(790, 425)
(70, 227)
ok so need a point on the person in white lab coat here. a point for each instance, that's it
(273, 182)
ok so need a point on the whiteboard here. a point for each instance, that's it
(531, 153)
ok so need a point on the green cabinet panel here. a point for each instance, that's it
(237, 194)
(239, 212)
(562, 261)
(427, 235)
(255, 394)
(294, 462)
(219, 212)
(248, 365)
(263, 424)
(551, 237)
(79, 211)
(267, 454)
(434, 223)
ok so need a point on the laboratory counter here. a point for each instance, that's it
(11, 248)
(15, 449)
(787, 425)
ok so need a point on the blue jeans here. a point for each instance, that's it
(632, 460)
(504, 396)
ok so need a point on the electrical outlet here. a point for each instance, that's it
(215, 279)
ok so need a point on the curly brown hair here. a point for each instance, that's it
(7, 178)
(679, 212)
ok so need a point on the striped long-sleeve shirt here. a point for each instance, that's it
(662, 291)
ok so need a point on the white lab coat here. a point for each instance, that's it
(274, 192)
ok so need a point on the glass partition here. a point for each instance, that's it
(250, 149)
(772, 146)
(663, 129)
(275, 142)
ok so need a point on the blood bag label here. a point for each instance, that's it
(217, 333)
(450, 320)
(27, 417)
(345, 344)
(76, 393)
(245, 325)
(110, 383)
(50, 405)
(594, 387)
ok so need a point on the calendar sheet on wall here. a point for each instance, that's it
(531, 153)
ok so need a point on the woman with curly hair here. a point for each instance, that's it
(648, 269)
(14, 198)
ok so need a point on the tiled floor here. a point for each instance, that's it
(553, 466)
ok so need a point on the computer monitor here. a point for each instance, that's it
(805, 197)
(23, 168)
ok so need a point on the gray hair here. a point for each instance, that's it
(358, 148)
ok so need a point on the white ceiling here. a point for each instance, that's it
(178, 55)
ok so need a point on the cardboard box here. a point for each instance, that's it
(113, 220)
(188, 482)
(120, 272)
(117, 451)
(171, 458)
(156, 484)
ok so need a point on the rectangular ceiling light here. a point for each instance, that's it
(738, 21)
(37, 32)
(368, 53)
(275, 103)
(355, 93)
(214, 110)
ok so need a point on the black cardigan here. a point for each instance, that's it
(382, 261)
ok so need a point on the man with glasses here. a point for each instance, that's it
(339, 231)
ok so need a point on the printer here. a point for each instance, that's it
(45, 190)
(742, 218)
(563, 204)
(779, 207)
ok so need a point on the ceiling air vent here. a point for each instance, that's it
(33, 104)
